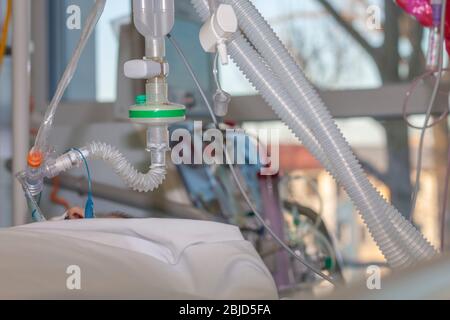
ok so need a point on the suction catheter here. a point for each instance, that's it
(265, 61)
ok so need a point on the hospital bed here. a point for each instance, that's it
(131, 259)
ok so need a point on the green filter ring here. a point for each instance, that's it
(156, 114)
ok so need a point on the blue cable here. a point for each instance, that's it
(89, 206)
(33, 213)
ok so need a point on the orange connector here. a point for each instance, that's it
(34, 159)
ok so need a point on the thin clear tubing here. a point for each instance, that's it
(41, 143)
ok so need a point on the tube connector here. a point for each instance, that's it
(34, 173)
(34, 179)
(158, 145)
(65, 162)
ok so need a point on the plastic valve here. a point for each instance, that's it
(144, 69)
(218, 30)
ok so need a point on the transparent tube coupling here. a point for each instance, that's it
(158, 145)
(34, 179)
(31, 198)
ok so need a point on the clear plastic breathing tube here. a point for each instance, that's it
(401, 244)
(133, 179)
(41, 143)
(122, 167)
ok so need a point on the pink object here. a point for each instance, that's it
(420, 9)
(423, 12)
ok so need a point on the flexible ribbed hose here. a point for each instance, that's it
(400, 242)
(250, 67)
(409, 245)
(132, 178)
(268, 84)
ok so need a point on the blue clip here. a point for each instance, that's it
(89, 208)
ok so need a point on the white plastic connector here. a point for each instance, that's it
(144, 69)
(218, 30)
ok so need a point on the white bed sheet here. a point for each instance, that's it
(131, 259)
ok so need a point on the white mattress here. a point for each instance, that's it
(131, 259)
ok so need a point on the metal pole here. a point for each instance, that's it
(20, 97)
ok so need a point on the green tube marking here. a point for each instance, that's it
(152, 114)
